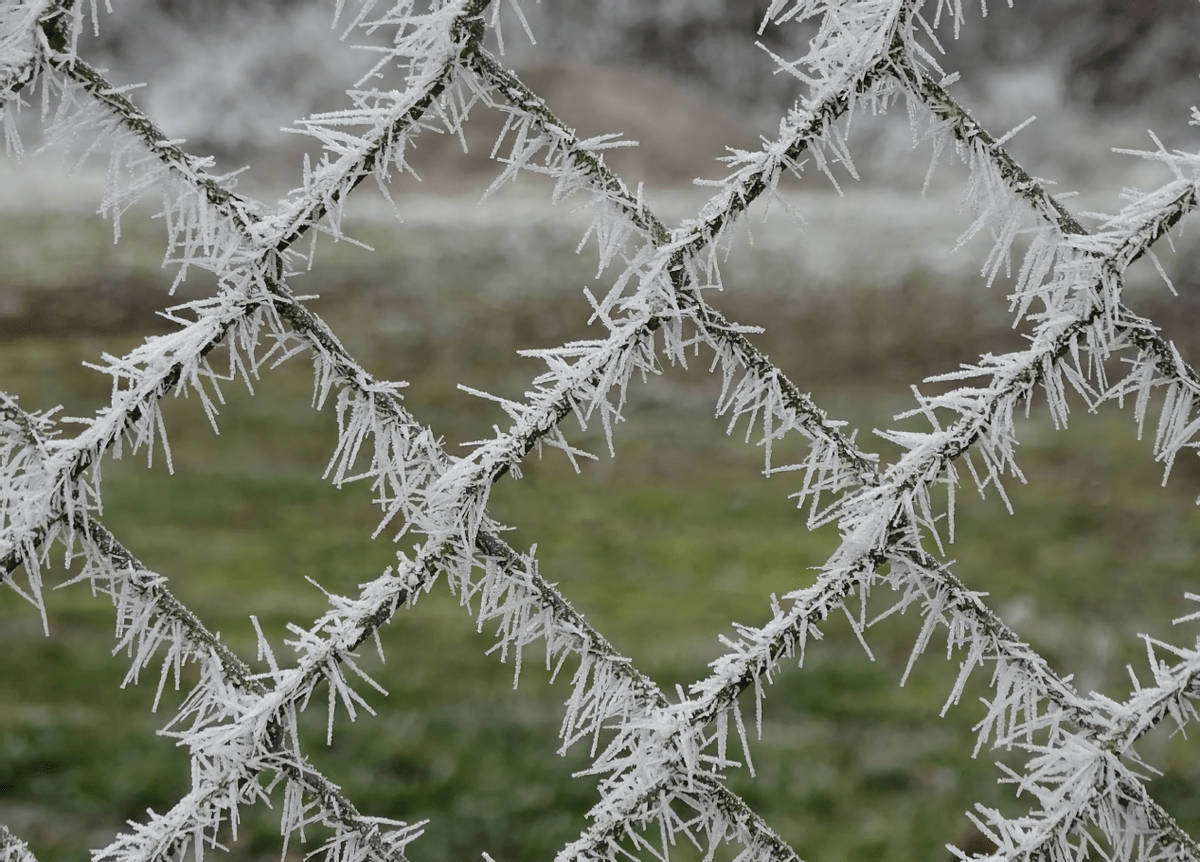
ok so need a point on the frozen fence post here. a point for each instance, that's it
(663, 761)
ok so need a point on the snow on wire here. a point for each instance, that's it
(662, 762)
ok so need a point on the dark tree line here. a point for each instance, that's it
(1113, 53)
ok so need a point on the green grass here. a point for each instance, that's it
(661, 548)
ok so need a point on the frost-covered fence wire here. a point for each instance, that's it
(662, 760)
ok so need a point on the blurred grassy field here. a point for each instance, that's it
(660, 547)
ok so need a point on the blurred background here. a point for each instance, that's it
(864, 298)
